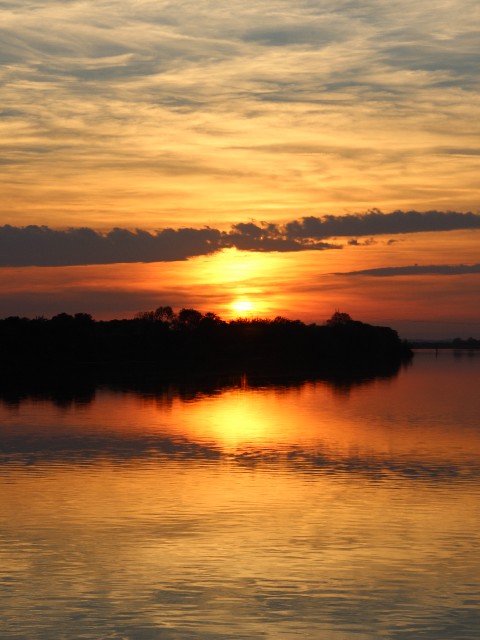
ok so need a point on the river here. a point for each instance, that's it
(247, 509)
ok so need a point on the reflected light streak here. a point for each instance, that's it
(235, 421)
(375, 421)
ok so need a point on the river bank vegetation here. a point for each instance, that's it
(171, 342)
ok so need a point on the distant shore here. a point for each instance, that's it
(171, 344)
(456, 343)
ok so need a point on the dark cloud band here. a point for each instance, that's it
(377, 223)
(417, 270)
(42, 246)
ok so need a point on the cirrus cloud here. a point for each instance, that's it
(204, 110)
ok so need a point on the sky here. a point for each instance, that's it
(273, 158)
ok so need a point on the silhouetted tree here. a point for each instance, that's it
(62, 318)
(339, 319)
(164, 314)
(190, 340)
(84, 318)
(211, 320)
(189, 318)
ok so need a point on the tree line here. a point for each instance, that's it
(190, 340)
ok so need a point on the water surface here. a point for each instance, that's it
(249, 509)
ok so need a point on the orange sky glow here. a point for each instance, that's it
(151, 116)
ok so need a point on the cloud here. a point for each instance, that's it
(42, 246)
(269, 237)
(377, 223)
(417, 270)
(365, 243)
(127, 98)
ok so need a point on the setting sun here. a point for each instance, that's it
(242, 306)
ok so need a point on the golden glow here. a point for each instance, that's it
(306, 418)
(236, 421)
(242, 306)
(307, 285)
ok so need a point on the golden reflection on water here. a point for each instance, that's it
(411, 415)
(219, 551)
(249, 512)
(423, 416)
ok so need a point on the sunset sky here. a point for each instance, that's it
(246, 158)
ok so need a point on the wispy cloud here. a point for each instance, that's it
(42, 246)
(265, 108)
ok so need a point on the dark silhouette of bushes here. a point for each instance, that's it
(170, 343)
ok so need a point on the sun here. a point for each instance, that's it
(242, 306)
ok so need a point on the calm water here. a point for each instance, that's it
(246, 512)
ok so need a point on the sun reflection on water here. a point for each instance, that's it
(183, 514)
